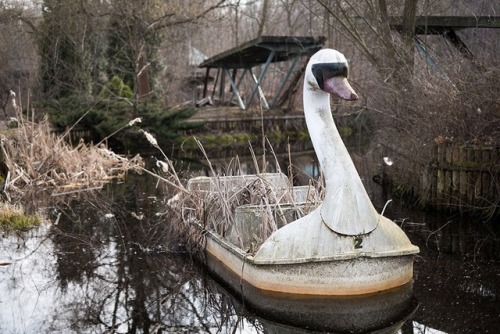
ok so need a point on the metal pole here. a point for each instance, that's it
(285, 80)
(235, 89)
(257, 81)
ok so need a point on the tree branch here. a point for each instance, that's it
(163, 21)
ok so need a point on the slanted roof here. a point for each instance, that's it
(257, 51)
(261, 51)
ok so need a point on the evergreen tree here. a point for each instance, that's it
(69, 47)
(133, 45)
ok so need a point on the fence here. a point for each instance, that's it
(463, 178)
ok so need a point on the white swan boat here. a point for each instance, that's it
(343, 247)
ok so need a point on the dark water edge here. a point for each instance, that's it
(113, 262)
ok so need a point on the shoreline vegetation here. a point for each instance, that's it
(33, 159)
(215, 210)
(14, 218)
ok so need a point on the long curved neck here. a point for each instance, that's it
(328, 145)
(346, 208)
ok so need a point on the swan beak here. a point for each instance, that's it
(339, 86)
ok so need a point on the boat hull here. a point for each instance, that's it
(383, 312)
(335, 277)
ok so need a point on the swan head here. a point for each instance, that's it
(327, 71)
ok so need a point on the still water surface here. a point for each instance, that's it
(112, 263)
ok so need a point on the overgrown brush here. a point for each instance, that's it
(35, 157)
(259, 198)
(215, 209)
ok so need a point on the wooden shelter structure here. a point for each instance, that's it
(447, 26)
(239, 62)
(440, 24)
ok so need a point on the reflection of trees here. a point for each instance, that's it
(124, 274)
(458, 273)
(75, 246)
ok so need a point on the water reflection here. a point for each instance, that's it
(110, 264)
(113, 263)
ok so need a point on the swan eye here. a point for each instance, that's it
(324, 71)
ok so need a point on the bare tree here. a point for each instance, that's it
(70, 46)
(139, 27)
(263, 17)
(17, 52)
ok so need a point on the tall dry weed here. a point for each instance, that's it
(35, 158)
(214, 210)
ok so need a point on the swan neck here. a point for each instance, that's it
(325, 137)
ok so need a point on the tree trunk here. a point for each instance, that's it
(408, 33)
(262, 24)
(143, 87)
(328, 28)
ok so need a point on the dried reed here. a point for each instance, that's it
(36, 158)
(215, 210)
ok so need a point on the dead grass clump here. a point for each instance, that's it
(214, 209)
(248, 214)
(36, 158)
(224, 205)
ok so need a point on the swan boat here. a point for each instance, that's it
(342, 247)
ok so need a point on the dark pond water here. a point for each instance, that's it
(113, 263)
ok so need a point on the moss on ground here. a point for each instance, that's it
(13, 218)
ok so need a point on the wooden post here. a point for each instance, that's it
(470, 176)
(455, 177)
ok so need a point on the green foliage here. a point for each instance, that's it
(13, 218)
(105, 116)
(119, 56)
(66, 111)
(57, 68)
(303, 134)
(165, 124)
(116, 88)
(210, 141)
(130, 39)
(279, 136)
(78, 45)
(345, 131)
